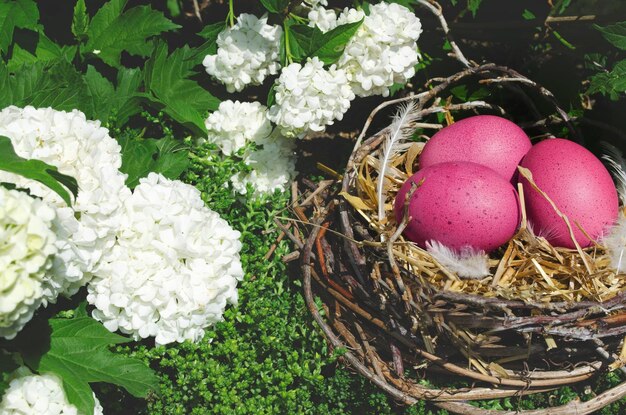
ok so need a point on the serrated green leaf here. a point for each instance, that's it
(80, 20)
(16, 13)
(45, 51)
(36, 170)
(328, 46)
(78, 353)
(105, 16)
(102, 93)
(612, 84)
(615, 33)
(44, 84)
(275, 6)
(167, 86)
(209, 33)
(128, 32)
(108, 101)
(142, 156)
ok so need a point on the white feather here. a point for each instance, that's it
(615, 243)
(400, 129)
(617, 164)
(468, 263)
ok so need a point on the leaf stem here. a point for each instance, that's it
(288, 54)
(231, 13)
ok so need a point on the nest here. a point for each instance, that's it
(545, 317)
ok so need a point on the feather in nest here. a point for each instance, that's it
(400, 129)
(614, 159)
(615, 238)
(615, 243)
(468, 263)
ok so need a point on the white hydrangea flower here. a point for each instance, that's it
(235, 124)
(173, 269)
(309, 97)
(246, 53)
(322, 18)
(27, 246)
(30, 394)
(84, 150)
(273, 167)
(383, 51)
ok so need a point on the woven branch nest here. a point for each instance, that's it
(546, 317)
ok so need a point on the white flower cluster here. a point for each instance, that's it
(273, 167)
(30, 394)
(237, 124)
(246, 53)
(173, 269)
(84, 150)
(27, 244)
(165, 264)
(382, 52)
(309, 97)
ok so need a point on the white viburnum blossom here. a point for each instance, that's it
(322, 18)
(27, 247)
(235, 124)
(273, 167)
(30, 394)
(174, 267)
(246, 53)
(309, 97)
(383, 51)
(84, 150)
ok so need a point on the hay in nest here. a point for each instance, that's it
(528, 268)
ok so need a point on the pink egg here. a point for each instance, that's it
(492, 141)
(460, 204)
(579, 185)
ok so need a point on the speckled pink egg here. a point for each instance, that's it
(579, 185)
(460, 204)
(492, 141)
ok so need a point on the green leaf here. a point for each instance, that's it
(80, 20)
(615, 33)
(109, 102)
(528, 15)
(7, 366)
(16, 13)
(271, 96)
(275, 6)
(44, 84)
(43, 50)
(142, 156)
(167, 85)
(473, 6)
(612, 84)
(210, 33)
(78, 353)
(36, 170)
(328, 46)
(129, 32)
